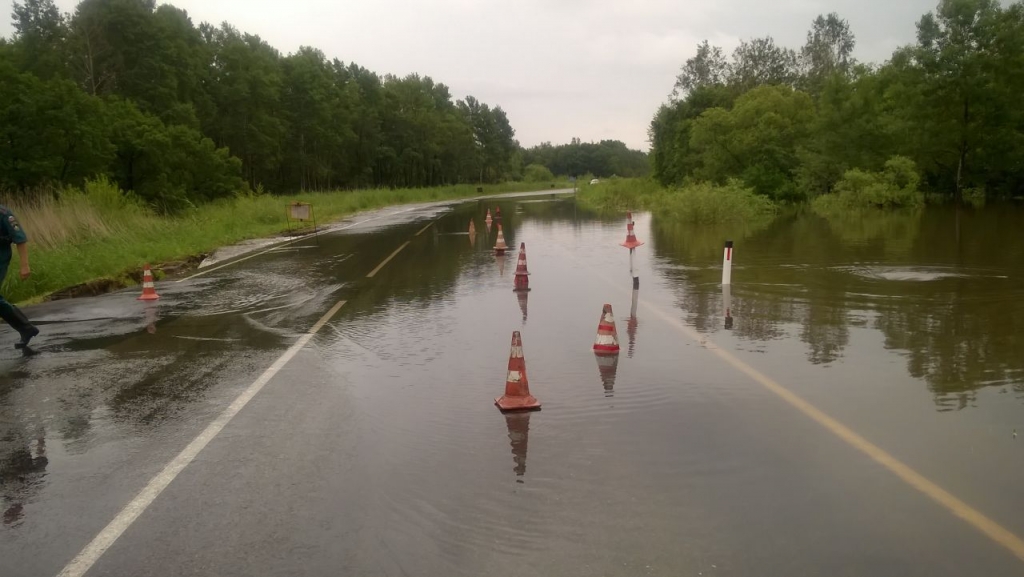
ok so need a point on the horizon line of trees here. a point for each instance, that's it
(601, 159)
(791, 123)
(180, 114)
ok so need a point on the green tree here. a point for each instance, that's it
(756, 141)
(761, 62)
(828, 51)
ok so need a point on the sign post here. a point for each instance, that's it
(302, 211)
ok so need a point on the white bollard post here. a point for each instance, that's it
(727, 264)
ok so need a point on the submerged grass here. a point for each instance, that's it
(697, 203)
(81, 236)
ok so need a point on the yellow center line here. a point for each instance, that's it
(953, 504)
(424, 229)
(387, 260)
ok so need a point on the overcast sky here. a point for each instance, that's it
(595, 69)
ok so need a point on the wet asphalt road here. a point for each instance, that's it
(377, 450)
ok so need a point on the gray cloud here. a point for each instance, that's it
(560, 68)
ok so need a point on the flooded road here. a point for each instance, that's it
(376, 449)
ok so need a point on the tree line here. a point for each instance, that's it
(181, 114)
(602, 159)
(791, 123)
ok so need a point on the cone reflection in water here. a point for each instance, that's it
(500, 259)
(152, 315)
(519, 435)
(488, 220)
(608, 366)
(472, 227)
(523, 298)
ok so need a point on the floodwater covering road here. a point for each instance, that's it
(772, 439)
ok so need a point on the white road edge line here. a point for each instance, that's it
(286, 243)
(85, 559)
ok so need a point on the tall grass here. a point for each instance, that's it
(78, 236)
(702, 203)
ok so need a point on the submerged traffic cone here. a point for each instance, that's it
(631, 241)
(472, 228)
(148, 288)
(488, 219)
(500, 247)
(497, 213)
(522, 282)
(607, 342)
(517, 395)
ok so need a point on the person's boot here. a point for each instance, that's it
(18, 322)
(26, 329)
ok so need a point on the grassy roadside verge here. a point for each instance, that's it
(100, 236)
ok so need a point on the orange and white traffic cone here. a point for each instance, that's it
(631, 241)
(488, 219)
(607, 341)
(148, 287)
(517, 395)
(522, 282)
(500, 247)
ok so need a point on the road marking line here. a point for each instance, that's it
(387, 260)
(106, 538)
(972, 516)
(279, 245)
(424, 229)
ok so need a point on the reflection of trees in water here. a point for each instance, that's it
(961, 332)
(958, 344)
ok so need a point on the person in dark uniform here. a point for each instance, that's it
(12, 233)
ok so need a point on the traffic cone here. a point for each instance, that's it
(500, 247)
(629, 216)
(148, 288)
(631, 241)
(517, 395)
(607, 342)
(488, 219)
(522, 282)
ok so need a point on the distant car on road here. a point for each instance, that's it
(594, 181)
